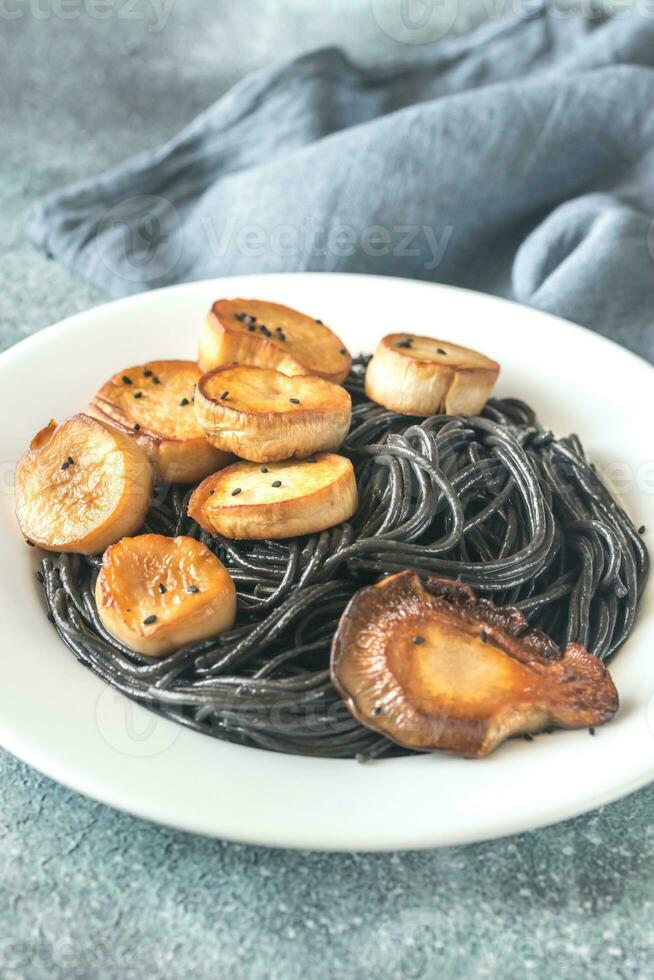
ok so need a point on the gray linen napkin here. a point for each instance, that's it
(519, 160)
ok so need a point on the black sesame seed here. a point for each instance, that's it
(376, 710)
(240, 317)
(264, 330)
(591, 731)
(184, 401)
(126, 380)
(40, 578)
(65, 465)
(319, 321)
(155, 380)
(147, 373)
(277, 483)
(162, 588)
(264, 469)
(137, 427)
(295, 401)
(418, 640)
(224, 395)
(236, 491)
(439, 350)
(149, 619)
(192, 588)
(211, 491)
(138, 394)
(249, 318)
(642, 529)
(282, 336)
(483, 636)
(30, 543)
(404, 344)
(252, 328)
(70, 460)
(342, 351)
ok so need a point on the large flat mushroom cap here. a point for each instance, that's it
(434, 667)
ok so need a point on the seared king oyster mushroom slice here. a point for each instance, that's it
(423, 376)
(433, 667)
(264, 416)
(81, 486)
(280, 500)
(152, 403)
(156, 594)
(269, 335)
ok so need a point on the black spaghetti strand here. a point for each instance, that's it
(495, 500)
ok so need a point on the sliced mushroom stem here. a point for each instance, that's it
(423, 376)
(156, 594)
(81, 486)
(277, 501)
(152, 403)
(264, 416)
(270, 335)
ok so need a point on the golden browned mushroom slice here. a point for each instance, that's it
(156, 594)
(280, 500)
(423, 376)
(251, 331)
(263, 415)
(81, 486)
(433, 667)
(153, 404)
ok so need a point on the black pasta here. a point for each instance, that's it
(495, 500)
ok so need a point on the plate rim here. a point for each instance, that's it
(25, 342)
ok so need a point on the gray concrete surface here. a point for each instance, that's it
(86, 892)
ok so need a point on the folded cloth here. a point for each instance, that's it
(519, 160)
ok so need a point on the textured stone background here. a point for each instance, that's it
(86, 892)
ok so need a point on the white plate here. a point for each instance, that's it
(60, 718)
